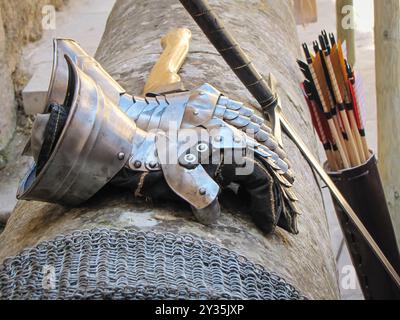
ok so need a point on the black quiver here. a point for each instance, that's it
(362, 187)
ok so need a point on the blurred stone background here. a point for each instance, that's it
(20, 23)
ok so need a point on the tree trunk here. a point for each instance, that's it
(129, 48)
(387, 44)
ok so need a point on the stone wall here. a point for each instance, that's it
(20, 22)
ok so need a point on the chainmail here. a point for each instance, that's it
(126, 264)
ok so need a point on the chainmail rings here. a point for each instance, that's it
(126, 264)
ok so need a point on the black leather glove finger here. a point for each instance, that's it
(288, 218)
(287, 198)
(265, 206)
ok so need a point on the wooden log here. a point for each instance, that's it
(128, 50)
(387, 50)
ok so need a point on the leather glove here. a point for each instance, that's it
(218, 158)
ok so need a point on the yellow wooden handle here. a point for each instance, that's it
(164, 75)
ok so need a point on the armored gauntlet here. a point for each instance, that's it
(186, 109)
(173, 146)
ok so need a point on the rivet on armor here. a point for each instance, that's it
(196, 112)
(202, 147)
(190, 158)
(153, 165)
(203, 191)
(137, 164)
(121, 156)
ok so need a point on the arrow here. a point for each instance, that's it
(352, 147)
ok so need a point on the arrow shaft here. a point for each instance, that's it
(331, 122)
(352, 149)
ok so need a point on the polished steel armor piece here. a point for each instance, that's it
(88, 153)
(189, 109)
(59, 76)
